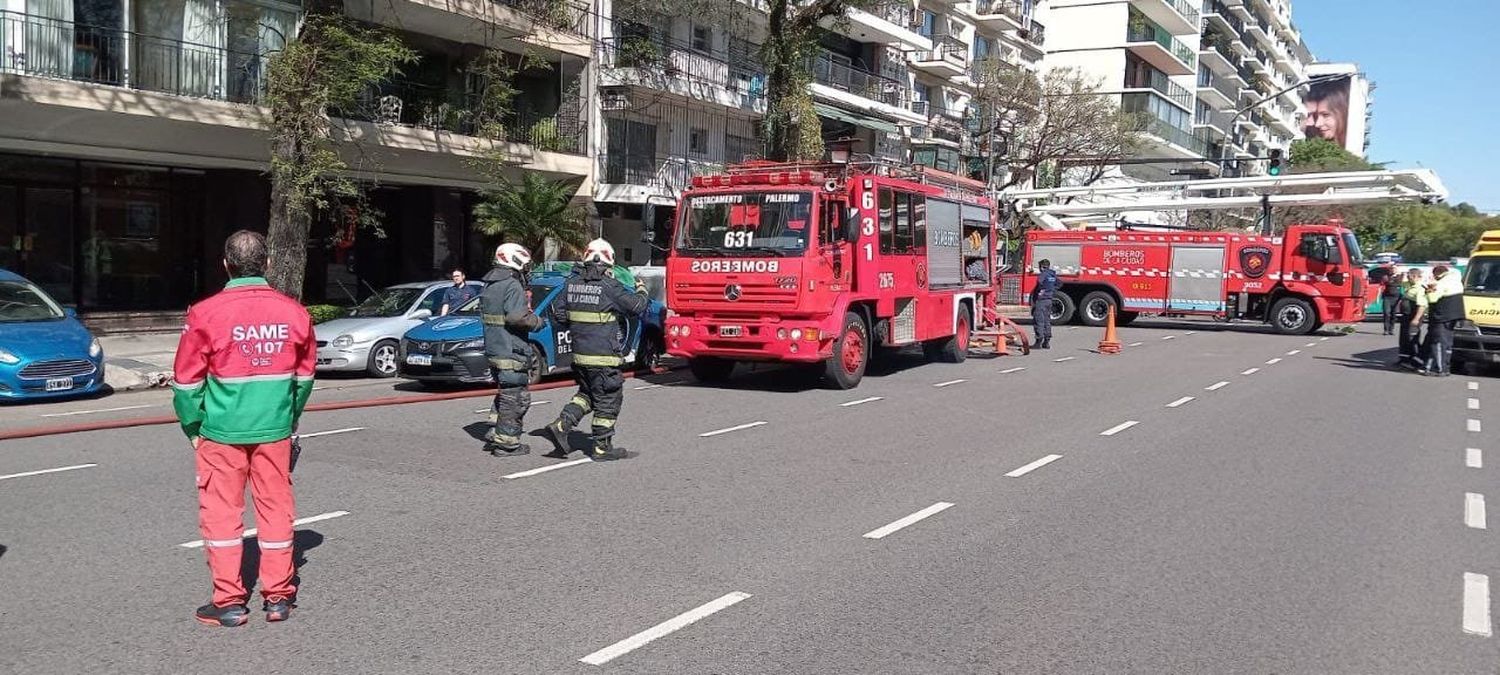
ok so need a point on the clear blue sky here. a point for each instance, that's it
(1436, 65)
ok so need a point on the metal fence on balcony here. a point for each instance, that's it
(1217, 7)
(1207, 79)
(443, 109)
(899, 13)
(576, 18)
(1036, 33)
(1186, 8)
(947, 48)
(1015, 9)
(658, 56)
(828, 72)
(47, 47)
(1157, 80)
(1141, 29)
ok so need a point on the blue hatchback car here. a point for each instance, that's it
(44, 351)
(450, 349)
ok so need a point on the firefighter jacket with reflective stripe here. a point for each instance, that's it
(508, 319)
(592, 306)
(244, 365)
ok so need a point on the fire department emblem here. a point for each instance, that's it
(732, 292)
(921, 275)
(1254, 260)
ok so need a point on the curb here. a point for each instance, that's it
(36, 432)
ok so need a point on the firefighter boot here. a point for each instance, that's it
(278, 608)
(501, 445)
(604, 449)
(557, 432)
(227, 616)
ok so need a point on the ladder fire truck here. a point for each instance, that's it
(1295, 280)
(825, 263)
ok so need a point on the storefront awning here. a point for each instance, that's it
(854, 118)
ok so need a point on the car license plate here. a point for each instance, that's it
(60, 384)
(730, 331)
(419, 359)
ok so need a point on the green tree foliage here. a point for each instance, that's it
(791, 128)
(1318, 155)
(329, 64)
(532, 211)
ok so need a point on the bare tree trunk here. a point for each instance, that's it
(288, 231)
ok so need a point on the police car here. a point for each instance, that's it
(450, 349)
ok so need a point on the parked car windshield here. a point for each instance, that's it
(390, 302)
(20, 301)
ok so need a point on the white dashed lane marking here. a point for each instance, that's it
(1474, 513)
(882, 532)
(1474, 426)
(1136, 344)
(1118, 428)
(1473, 404)
(1216, 386)
(1473, 386)
(649, 386)
(1169, 337)
(872, 399)
(949, 383)
(331, 432)
(663, 629)
(101, 410)
(1064, 359)
(1477, 604)
(1017, 369)
(1179, 402)
(198, 543)
(1294, 352)
(1033, 466)
(60, 469)
(1310, 344)
(1274, 361)
(1252, 371)
(545, 469)
(1474, 458)
(738, 427)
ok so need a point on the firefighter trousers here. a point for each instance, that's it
(222, 473)
(512, 400)
(601, 390)
(1041, 319)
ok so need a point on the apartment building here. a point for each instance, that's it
(1190, 66)
(133, 140)
(681, 97)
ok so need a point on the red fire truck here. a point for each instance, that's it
(1297, 282)
(1307, 276)
(822, 264)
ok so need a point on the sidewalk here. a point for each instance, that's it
(138, 360)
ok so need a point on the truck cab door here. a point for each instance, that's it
(1318, 255)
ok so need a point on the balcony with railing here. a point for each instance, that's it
(888, 24)
(1217, 89)
(1034, 36)
(423, 106)
(1213, 119)
(563, 15)
(949, 57)
(1177, 16)
(846, 78)
(1157, 46)
(1159, 82)
(1217, 51)
(1001, 14)
(1151, 107)
(655, 62)
(1217, 15)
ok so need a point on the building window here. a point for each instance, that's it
(929, 24)
(703, 39)
(698, 141)
(982, 48)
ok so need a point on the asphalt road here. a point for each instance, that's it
(1305, 511)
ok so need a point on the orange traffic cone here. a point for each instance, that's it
(1111, 342)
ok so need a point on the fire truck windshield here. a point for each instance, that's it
(1356, 256)
(746, 223)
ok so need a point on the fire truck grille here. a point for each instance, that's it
(718, 294)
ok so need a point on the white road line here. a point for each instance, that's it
(738, 427)
(1474, 426)
(1473, 386)
(198, 543)
(101, 410)
(1169, 337)
(1216, 386)
(1474, 514)
(1474, 458)
(1310, 344)
(316, 434)
(540, 402)
(1322, 339)
(649, 386)
(1118, 428)
(1033, 466)
(1064, 359)
(1252, 371)
(38, 473)
(1135, 344)
(1179, 402)
(663, 629)
(882, 532)
(545, 469)
(872, 399)
(1191, 332)
(1294, 352)
(1274, 361)
(949, 383)
(1017, 369)
(1473, 404)
(1476, 604)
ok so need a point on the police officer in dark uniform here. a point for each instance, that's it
(507, 319)
(1041, 303)
(592, 306)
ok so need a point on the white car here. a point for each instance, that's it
(368, 338)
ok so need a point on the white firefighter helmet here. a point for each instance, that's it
(514, 256)
(599, 251)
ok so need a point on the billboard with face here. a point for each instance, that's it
(1335, 108)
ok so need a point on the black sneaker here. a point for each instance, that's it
(559, 438)
(498, 451)
(227, 617)
(278, 608)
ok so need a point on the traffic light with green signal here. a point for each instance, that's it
(1276, 164)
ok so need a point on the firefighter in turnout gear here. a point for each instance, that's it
(507, 317)
(593, 306)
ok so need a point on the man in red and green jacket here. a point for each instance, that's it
(243, 373)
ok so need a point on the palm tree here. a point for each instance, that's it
(532, 211)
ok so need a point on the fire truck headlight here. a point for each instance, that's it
(780, 333)
(796, 333)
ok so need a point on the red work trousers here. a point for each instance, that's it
(222, 472)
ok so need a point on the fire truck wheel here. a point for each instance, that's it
(1293, 316)
(1094, 310)
(953, 349)
(1063, 308)
(710, 369)
(851, 353)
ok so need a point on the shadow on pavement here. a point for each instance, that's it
(3, 549)
(302, 542)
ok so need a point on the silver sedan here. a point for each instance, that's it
(369, 337)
